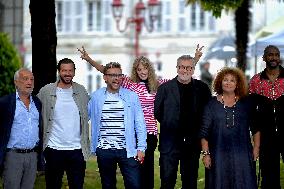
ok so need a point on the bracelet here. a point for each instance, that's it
(205, 153)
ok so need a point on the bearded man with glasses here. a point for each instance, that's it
(118, 130)
(178, 107)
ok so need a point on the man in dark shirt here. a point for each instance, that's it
(178, 107)
(267, 88)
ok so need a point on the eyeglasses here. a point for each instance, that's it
(115, 75)
(187, 68)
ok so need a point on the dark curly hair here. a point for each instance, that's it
(241, 86)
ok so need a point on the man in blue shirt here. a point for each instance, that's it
(118, 130)
(20, 133)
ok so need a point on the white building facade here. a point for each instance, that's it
(90, 23)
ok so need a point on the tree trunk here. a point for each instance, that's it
(242, 21)
(44, 41)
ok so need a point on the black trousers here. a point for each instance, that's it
(188, 155)
(269, 163)
(58, 161)
(147, 168)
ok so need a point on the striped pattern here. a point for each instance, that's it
(146, 100)
(112, 130)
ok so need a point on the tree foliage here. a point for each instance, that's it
(10, 62)
(216, 6)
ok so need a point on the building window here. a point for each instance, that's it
(94, 16)
(168, 8)
(107, 16)
(59, 16)
(193, 17)
(1, 16)
(181, 6)
(166, 12)
(90, 16)
(98, 16)
(211, 24)
(107, 24)
(90, 67)
(181, 24)
(69, 16)
(168, 25)
(90, 83)
(78, 16)
(98, 81)
(202, 20)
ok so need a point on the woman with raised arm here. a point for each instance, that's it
(144, 83)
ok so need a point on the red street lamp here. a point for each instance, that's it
(138, 19)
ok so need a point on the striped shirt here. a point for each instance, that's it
(146, 100)
(112, 130)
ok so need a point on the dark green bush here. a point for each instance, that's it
(9, 63)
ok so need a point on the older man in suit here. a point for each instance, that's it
(20, 133)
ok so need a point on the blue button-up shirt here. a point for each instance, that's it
(25, 131)
(133, 120)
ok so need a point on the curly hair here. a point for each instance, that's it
(241, 86)
(152, 79)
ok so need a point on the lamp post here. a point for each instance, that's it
(154, 10)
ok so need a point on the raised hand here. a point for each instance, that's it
(84, 54)
(198, 53)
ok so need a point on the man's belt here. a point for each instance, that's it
(17, 150)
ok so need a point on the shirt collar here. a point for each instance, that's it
(18, 96)
(264, 76)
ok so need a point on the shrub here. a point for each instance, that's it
(9, 63)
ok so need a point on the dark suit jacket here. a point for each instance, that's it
(167, 112)
(7, 112)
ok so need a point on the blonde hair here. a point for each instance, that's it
(152, 79)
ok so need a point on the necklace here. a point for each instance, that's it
(228, 125)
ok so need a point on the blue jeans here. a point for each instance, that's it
(129, 167)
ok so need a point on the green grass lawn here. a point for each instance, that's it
(92, 179)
